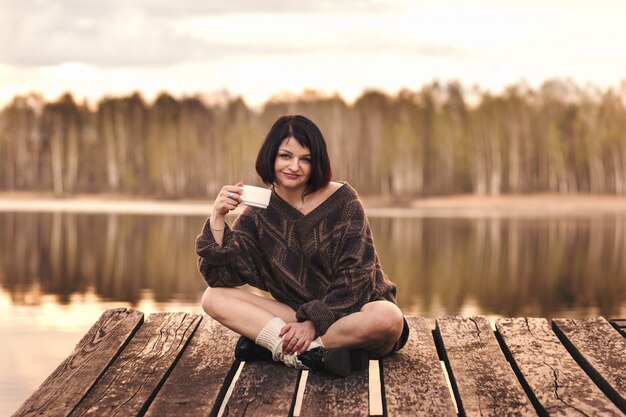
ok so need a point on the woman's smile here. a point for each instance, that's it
(291, 175)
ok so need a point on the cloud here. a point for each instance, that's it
(150, 33)
(199, 8)
(44, 33)
(255, 48)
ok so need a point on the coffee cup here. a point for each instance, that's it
(256, 196)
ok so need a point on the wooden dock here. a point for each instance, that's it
(177, 364)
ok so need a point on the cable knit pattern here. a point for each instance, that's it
(323, 264)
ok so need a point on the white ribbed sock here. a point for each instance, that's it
(269, 339)
(317, 342)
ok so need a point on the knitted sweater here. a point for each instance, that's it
(322, 264)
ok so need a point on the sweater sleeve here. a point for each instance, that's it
(231, 264)
(356, 269)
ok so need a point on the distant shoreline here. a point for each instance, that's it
(531, 205)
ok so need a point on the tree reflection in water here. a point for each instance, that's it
(510, 267)
(504, 266)
(118, 256)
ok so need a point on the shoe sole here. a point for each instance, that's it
(337, 362)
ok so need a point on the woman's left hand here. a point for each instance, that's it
(297, 337)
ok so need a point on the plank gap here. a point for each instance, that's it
(160, 384)
(450, 389)
(444, 367)
(412, 378)
(619, 325)
(557, 382)
(297, 404)
(113, 359)
(482, 378)
(443, 359)
(520, 377)
(130, 382)
(229, 391)
(579, 356)
(383, 395)
(439, 345)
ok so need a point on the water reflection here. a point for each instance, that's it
(509, 267)
(116, 256)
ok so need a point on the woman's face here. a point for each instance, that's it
(292, 167)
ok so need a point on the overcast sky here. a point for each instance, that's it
(260, 48)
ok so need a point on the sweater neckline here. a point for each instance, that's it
(297, 214)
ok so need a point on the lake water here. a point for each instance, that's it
(60, 271)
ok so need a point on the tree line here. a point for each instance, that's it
(439, 139)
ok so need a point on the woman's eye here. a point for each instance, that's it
(306, 160)
(284, 156)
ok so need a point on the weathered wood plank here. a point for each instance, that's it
(198, 383)
(132, 380)
(413, 381)
(263, 389)
(559, 387)
(600, 350)
(71, 380)
(483, 380)
(325, 395)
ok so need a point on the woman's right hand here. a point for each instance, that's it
(228, 199)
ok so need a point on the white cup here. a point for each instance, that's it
(256, 196)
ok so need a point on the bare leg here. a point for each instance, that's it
(242, 311)
(375, 328)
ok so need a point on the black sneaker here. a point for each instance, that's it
(359, 359)
(332, 361)
(247, 350)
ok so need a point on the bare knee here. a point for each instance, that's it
(214, 300)
(385, 322)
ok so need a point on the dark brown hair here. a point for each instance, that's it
(307, 134)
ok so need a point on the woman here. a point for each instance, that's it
(312, 250)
